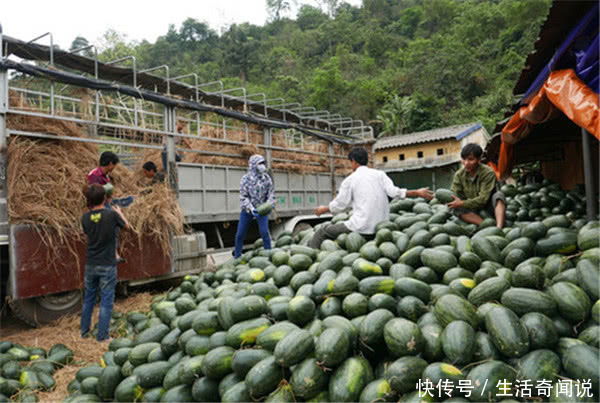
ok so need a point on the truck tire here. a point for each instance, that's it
(42, 310)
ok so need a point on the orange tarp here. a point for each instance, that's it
(563, 91)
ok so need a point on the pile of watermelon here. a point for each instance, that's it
(25, 370)
(431, 309)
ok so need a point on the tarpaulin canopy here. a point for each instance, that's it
(568, 84)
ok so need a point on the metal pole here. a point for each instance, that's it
(135, 117)
(3, 134)
(171, 163)
(162, 66)
(588, 174)
(267, 141)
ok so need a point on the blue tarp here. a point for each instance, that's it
(578, 51)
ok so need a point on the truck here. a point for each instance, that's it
(120, 107)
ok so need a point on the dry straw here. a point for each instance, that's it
(46, 178)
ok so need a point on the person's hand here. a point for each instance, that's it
(425, 193)
(321, 210)
(456, 203)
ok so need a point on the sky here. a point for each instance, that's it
(136, 19)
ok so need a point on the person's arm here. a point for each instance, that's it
(271, 194)
(392, 190)
(425, 193)
(121, 220)
(245, 203)
(343, 200)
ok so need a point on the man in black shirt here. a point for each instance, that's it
(100, 224)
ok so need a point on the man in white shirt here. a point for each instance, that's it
(366, 191)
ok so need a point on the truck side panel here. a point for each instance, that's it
(33, 275)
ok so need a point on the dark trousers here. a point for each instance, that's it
(98, 279)
(242, 229)
(331, 231)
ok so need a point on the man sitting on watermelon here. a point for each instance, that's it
(474, 188)
(367, 192)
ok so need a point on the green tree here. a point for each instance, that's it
(394, 115)
(275, 8)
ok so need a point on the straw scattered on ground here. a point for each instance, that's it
(66, 330)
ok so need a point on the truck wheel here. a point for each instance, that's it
(48, 308)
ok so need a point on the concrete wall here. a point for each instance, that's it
(429, 150)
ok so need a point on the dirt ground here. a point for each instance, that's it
(66, 331)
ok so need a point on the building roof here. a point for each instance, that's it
(457, 132)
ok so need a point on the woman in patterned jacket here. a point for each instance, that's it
(256, 188)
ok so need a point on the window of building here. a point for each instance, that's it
(384, 159)
(440, 151)
(401, 157)
(420, 154)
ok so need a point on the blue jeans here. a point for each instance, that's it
(103, 279)
(242, 230)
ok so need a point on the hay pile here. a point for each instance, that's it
(46, 179)
(298, 161)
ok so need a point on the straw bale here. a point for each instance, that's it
(46, 178)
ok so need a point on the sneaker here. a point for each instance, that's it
(124, 202)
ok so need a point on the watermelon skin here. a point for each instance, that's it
(349, 379)
(485, 378)
(538, 365)
(583, 362)
(573, 303)
(509, 335)
(458, 342)
(264, 209)
(404, 373)
(525, 300)
(236, 393)
(588, 277)
(541, 329)
(243, 360)
(485, 348)
(443, 372)
(406, 286)
(308, 379)
(371, 328)
(294, 347)
(332, 347)
(587, 237)
(486, 249)
(438, 260)
(217, 363)
(403, 337)
(563, 243)
(264, 377)
(377, 390)
(444, 195)
(488, 290)
(449, 308)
